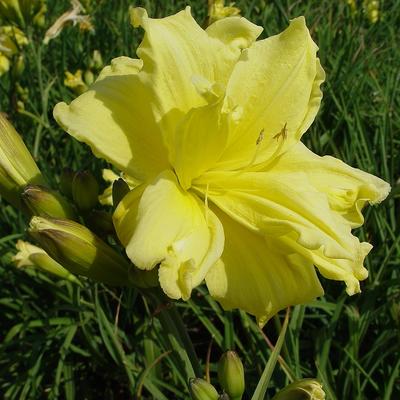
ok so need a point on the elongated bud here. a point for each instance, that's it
(305, 389)
(85, 190)
(79, 250)
(17, 167)
(30, 256)
(88, 77)
(96, 61)
(18, 67)
(66, 178)
(119, 190)
(231, 375)
(202, 390)
(46, 202)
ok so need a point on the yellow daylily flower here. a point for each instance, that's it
(210, 122)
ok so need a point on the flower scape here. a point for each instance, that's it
(210, 123)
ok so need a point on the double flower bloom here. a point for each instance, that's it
(210, 122)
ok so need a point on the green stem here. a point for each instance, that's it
(176, 334)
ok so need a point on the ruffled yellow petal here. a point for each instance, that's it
(163, 224)
(350, 271)
(114, 117)
(348, 189)
(236, 32)
(276, 83)
(287, 205)
(253, 276)
(175, 49)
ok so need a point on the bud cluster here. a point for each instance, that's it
(230, 377)
(67, 247)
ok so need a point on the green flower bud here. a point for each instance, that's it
(46, 202)
(96, 61)
(88, 77)
(17, 167)
(231, 375)
(30, 256)
(18, 67)
(305, 389)
(79, 250)
(119, 190)
(85, 190)
(100, 222)
(66, 178)
(202, 390)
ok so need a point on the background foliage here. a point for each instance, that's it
(60, 341)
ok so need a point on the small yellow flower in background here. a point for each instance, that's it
(73, 16)
(75, 82)
(30, 256)
(106, 197)
(217, 10)
(353, 6)
(371, 8)
(12, 40)
(110, 176)
(210, 121)
(4, 64)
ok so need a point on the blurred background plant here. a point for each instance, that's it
(84, 340)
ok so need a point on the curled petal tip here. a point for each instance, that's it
(138, 16)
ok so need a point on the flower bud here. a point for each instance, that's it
(18, 67)
(305, 389)
(17, 167)
(231, 375)
(66, 178)
(79, 250)
(30, 256)
(88, 77)
(46, 202)
(202, 390)
(96, 61)
(119, 190)
(10, 10)
(85, 190)
(100, 222)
